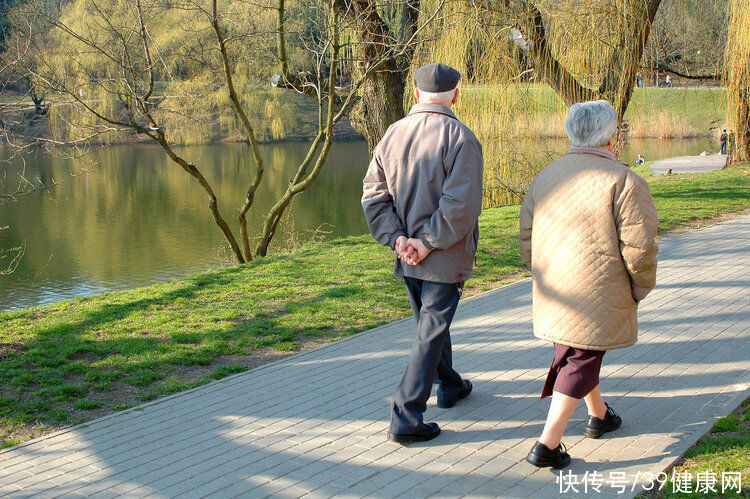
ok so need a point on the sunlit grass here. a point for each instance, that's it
(100, 354)
(509, 119)
(535, 110)
(685, 197)
(726, 449)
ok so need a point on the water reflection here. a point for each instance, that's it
(136, 218)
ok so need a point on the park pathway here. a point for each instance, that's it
(689, 164)
(315, 423)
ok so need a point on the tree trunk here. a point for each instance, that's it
(325, 133)
(553, 72)
(240, 111)
(382, 101)
(213, 203)
(617, 86)
(740, 149)
(39, 108)
(738, 81)
(382, 104)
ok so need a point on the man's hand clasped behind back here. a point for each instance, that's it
(410, 250)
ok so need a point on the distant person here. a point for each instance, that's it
(723, 142)
(639, 80)
(587, 231)
(669, 81)
(422, 197)
(640, 160)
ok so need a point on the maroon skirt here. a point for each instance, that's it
(574, 372)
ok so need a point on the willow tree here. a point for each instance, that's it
(376, 31)
(382, 94)
(113, 73)
(570, 41)
(688, 37)
(373, 32)
(375, 68)
(738, 80)
(524, 62)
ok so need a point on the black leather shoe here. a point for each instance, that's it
(541, 456)
(596, 427)
(428, 432)
(448, 398)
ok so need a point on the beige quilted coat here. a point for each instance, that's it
(587, 231)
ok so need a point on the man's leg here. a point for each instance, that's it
(439, 302)
(447, 377)
(414, 288)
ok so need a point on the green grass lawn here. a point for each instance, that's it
(725, 449)
(682, 198)
(696, 109)
(75, 360)
(652, 111)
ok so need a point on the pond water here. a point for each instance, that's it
(134, 218)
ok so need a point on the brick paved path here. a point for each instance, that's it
(316, 422)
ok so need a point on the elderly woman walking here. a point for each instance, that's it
(587, 231)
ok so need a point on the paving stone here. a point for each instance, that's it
(326, 434)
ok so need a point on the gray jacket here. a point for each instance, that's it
(425, 181)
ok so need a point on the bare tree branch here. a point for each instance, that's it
(250, 196)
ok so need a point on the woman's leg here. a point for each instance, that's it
(560, 411)
(595, 404)
(602, 418)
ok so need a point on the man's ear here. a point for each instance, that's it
(455, 96)
(416, 94)
(611, 143)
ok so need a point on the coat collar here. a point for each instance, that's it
(599, 151)
(432, 108)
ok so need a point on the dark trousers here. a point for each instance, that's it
(723, 148)
(434, 305)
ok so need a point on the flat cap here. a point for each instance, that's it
(436, 77)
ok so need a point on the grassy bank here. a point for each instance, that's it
(725, 449)
(537, 111)
(75, 360)
(527, 110)
(676, 112)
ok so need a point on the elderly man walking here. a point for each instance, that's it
(422, 197)
(587, 231)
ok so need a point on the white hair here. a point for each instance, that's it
(442, 98)
(591, 124)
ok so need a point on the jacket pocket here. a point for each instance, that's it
(472, 242)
